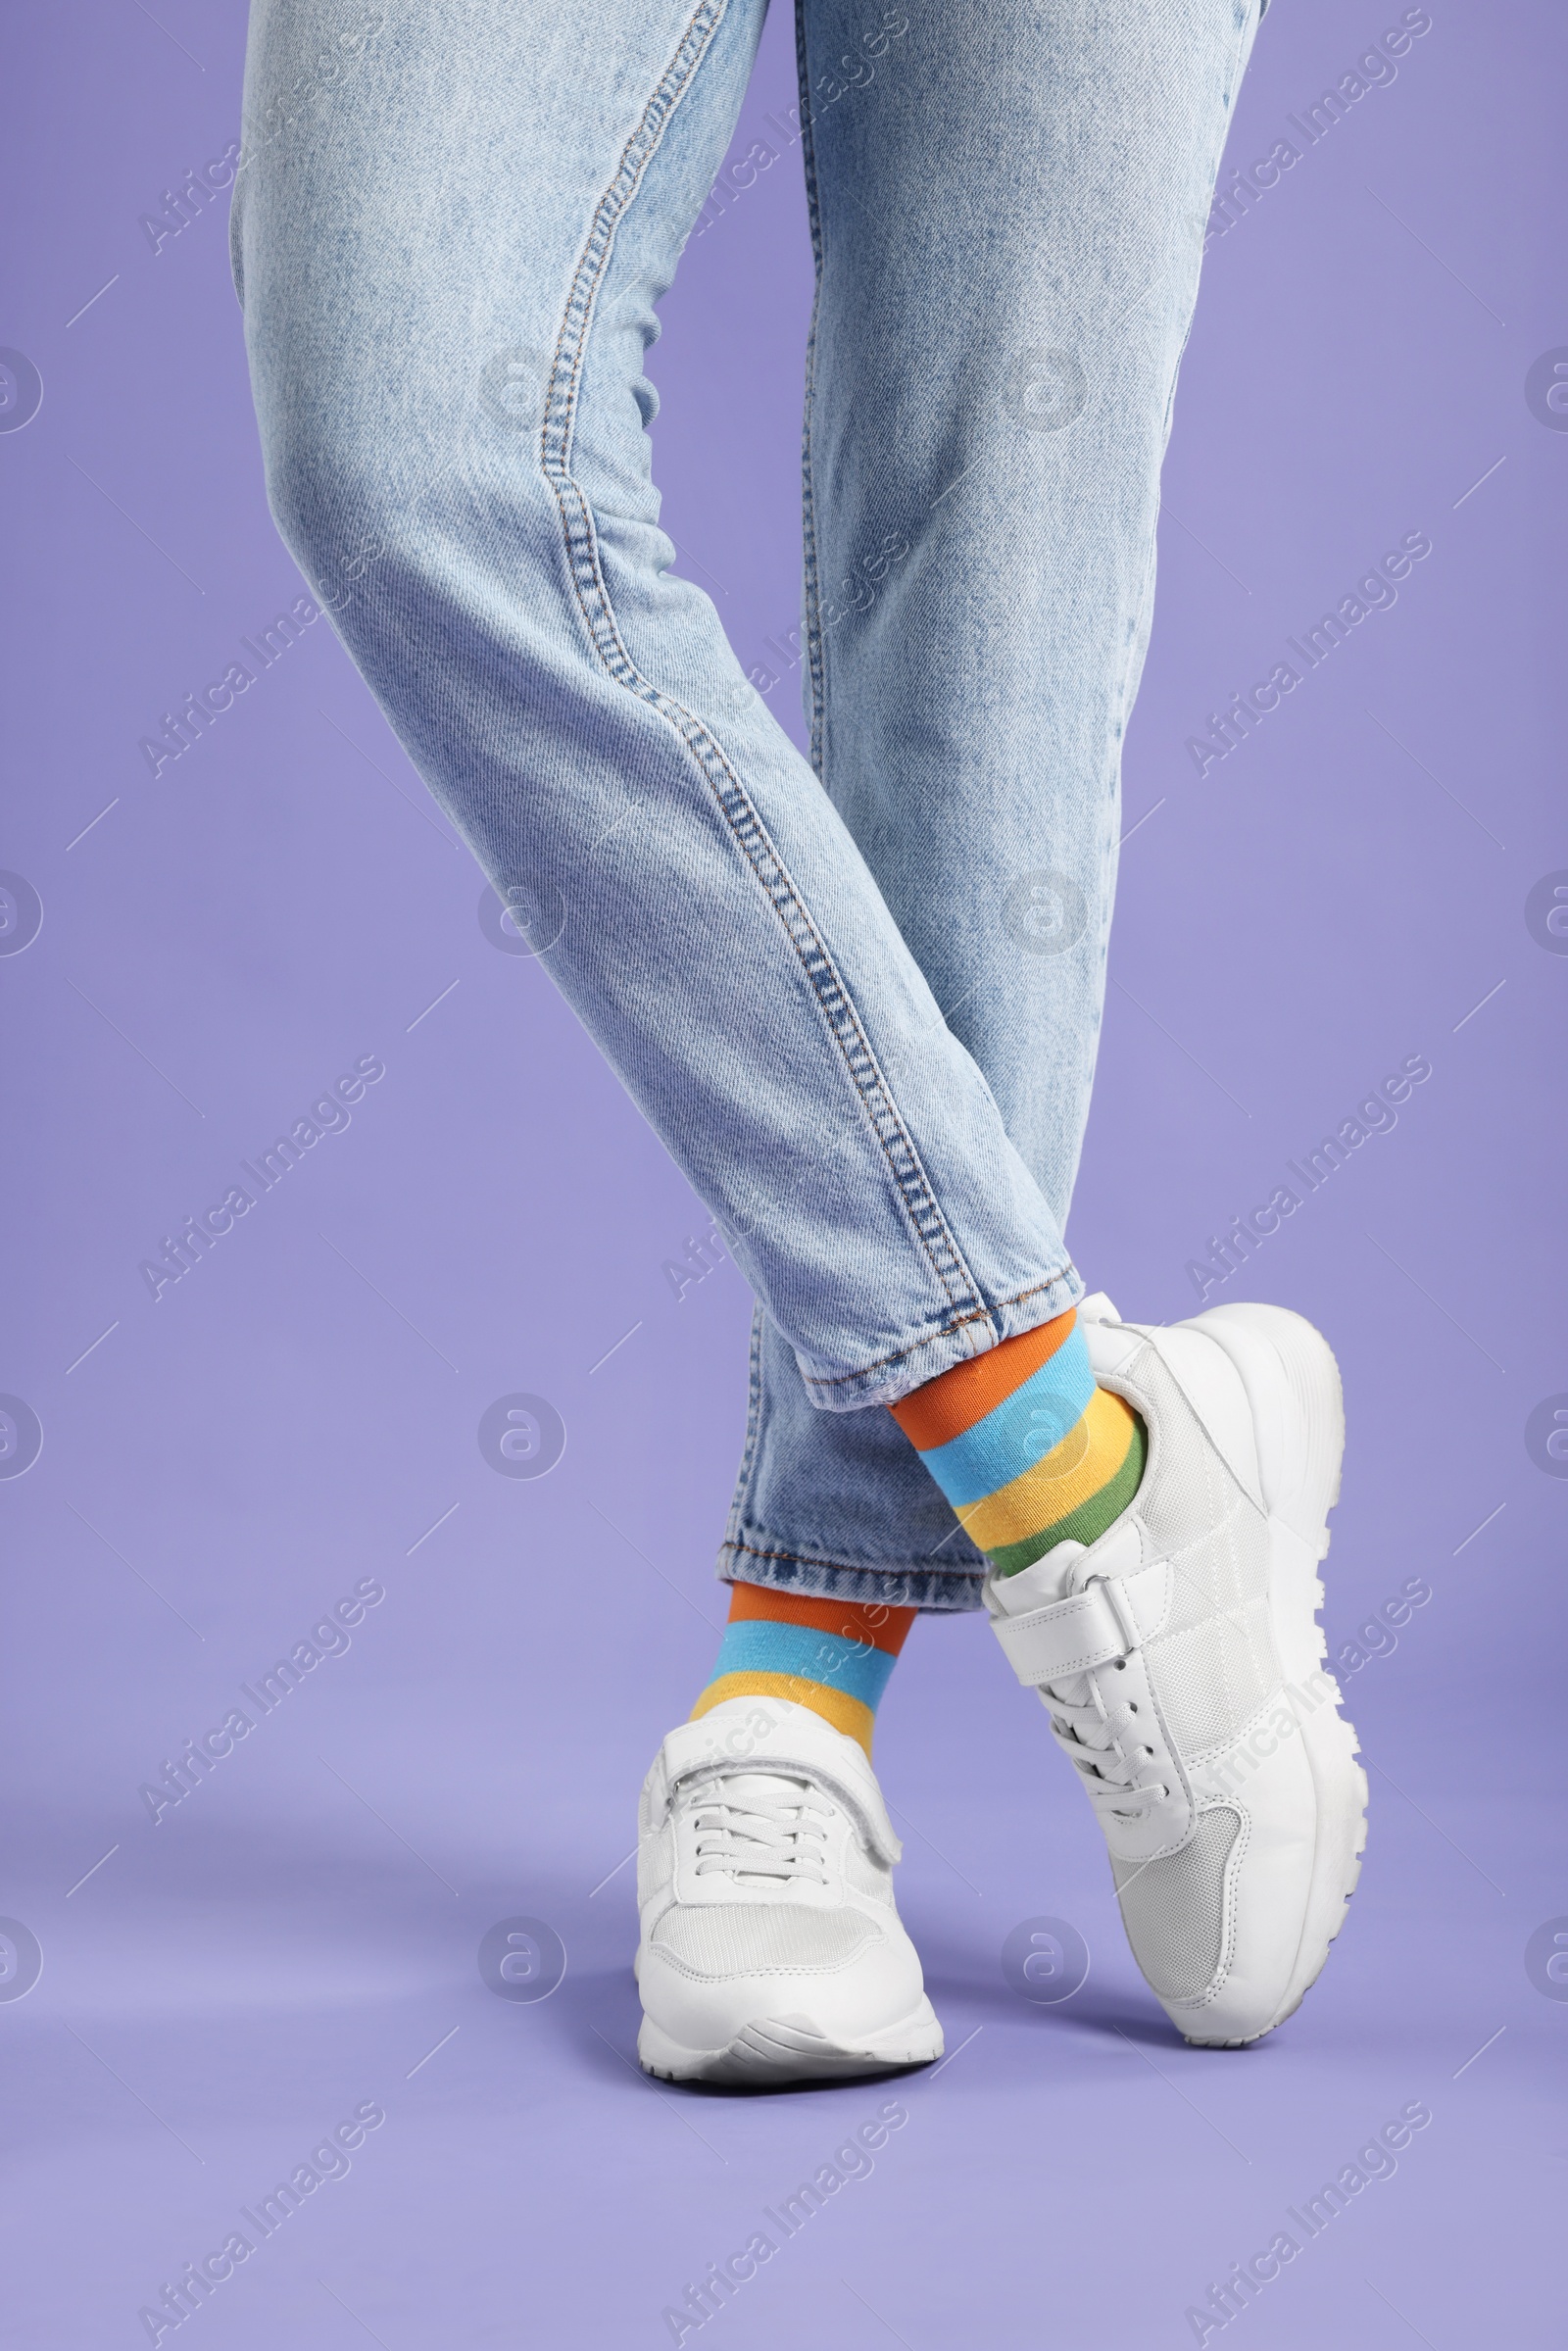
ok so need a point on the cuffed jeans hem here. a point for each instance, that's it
(916, 1583)
(974, 1332)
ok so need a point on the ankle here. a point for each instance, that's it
(1025, 1445)
(834, 1656)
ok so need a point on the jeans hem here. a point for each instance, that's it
(973, 1331)
(914, 1583)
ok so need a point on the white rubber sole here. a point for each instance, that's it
(771, 2051)
(1300, 1450)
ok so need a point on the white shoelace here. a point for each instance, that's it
(756, 1833)
(1098, 1740)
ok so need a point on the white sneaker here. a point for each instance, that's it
(771, 1949)
(1181, 1663)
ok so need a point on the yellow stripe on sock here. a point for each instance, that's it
(1070, 1475)
(850, 1715)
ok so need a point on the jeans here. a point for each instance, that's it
(859, 997)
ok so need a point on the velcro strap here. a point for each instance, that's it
(1067, 1636)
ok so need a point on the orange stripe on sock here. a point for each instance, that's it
(952, 1403)
(885, 1627)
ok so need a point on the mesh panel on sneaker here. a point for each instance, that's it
(1196, 1516)
(761, 1938)
(1211, 1679)
(1194, 1486)
(1223, 1566)
(1174, 1909)
(656, 1864)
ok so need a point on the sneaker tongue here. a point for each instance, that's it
(740, 1788)
(768, 1792)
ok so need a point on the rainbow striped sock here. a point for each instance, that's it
(1026, 1449)
(834, 1656)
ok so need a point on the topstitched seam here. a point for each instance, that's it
(849, 1379)
(834, 1001)
(815, 647)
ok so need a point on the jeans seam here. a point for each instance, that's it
(835, 1005)
(811, 612)
(851, 1379)
(845, 1567)
(918, 1584)
(753, 1427)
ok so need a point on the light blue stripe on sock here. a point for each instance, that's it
(757, 1646)
(1019, 1431)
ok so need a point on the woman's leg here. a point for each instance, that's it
(453, 221)
(1009, 205)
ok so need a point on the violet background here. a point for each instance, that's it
(302, 1410)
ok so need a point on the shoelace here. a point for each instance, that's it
(762, 1836)
(1107, 1759)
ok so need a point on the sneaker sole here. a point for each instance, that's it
(1299, 1466)
(771, 2051)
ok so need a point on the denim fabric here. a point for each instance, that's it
(863, 1018)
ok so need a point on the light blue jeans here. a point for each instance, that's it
(857, 997)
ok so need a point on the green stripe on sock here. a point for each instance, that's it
(1089, 1521)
